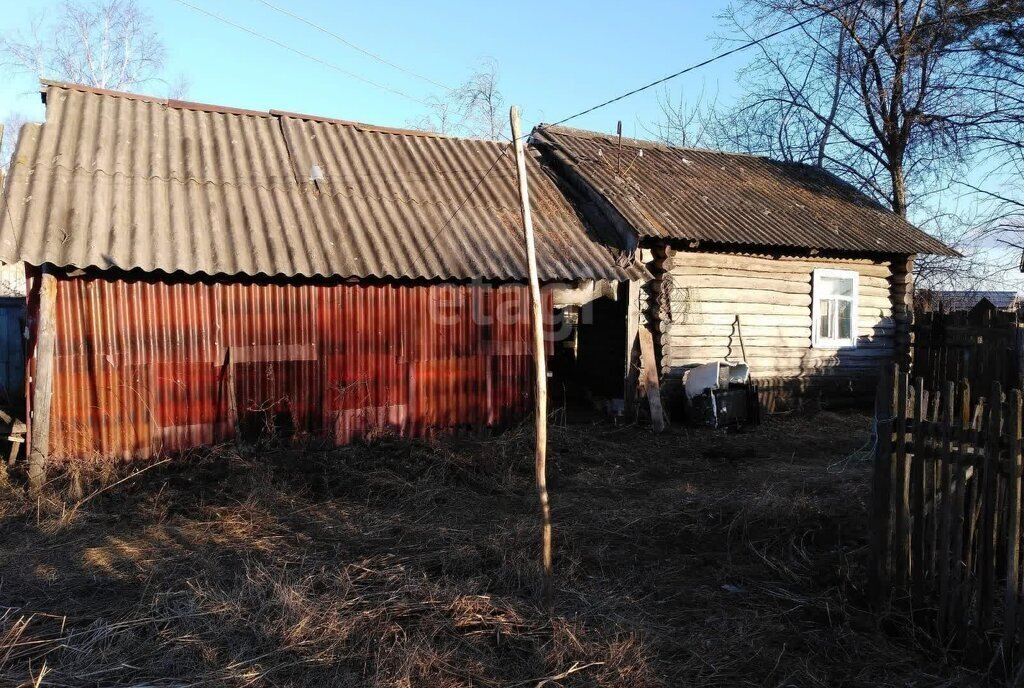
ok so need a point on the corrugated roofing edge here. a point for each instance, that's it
(638, 143)
(654, 145)
(274, 113)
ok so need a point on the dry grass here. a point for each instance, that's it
(692, 558)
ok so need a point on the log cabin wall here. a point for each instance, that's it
(696, 296)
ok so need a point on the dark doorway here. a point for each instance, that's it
(589, 362)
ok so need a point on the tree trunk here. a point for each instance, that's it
(899, 190)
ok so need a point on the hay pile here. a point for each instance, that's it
(692, 558)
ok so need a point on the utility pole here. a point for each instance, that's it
(540, 364)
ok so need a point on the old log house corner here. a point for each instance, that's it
(198, 273)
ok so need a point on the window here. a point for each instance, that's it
(834, 308)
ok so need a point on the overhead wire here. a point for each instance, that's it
(704, 63)
(691, 68)
(462, 204)
(301, 53)
(350, 44)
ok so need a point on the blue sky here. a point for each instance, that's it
(555, 58)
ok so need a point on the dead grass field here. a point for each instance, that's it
(692, 558)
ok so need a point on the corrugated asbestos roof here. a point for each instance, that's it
(114, 180)
(683, 193)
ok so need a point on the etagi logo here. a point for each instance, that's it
(494, 306)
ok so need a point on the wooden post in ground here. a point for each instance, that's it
(917, 501)
(652, 386)
(987, 550)
(901, 486)
(1011, 594)
(882, 488)
(540, 364)
(42, 378)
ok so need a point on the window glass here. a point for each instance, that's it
(825, 319)
(845, 320)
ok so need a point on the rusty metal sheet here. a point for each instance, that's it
(142, 365)
(693, 194)
(114, 180)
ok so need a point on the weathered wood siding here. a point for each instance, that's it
(701, 293)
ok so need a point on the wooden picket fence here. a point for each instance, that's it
(947, 510)
(983, 346)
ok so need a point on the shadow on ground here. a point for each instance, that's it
(691, 558)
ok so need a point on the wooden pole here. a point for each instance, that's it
(882, 485)
(540, 364)
(42, 378)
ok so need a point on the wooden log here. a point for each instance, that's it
(748, 308)
(800, 343)
(698, 318)
(749, 295)
(785, 264)
(744, 283)
(1011, 595)
(680, 273)
(42, 378)
(749, 330)
(650, 380)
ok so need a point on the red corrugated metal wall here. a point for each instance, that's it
(145, 366)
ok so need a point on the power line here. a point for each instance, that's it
(715, 58)
(299, 52)
(350, 44)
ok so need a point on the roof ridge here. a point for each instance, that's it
(270, 114)
(648, 143)
(380, 128)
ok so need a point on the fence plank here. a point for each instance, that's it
(945, 550)
(973, 513)
(882, 486)
(1010, 598)
(917, 499)
(901, 548)
(987, 557)
(955, 604)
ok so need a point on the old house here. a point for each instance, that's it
(210, 271)
(781, 265)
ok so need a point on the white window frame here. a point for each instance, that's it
(831, 342)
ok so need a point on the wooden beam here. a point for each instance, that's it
(650, 379)
(42, 378)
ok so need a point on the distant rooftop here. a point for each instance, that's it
(966, 300)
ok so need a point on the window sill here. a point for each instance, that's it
(845, 344)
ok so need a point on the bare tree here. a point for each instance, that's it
(476, 108)
(683, 123)
(880, 92)
(12, 127)
(483, 105)
(103, 43)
